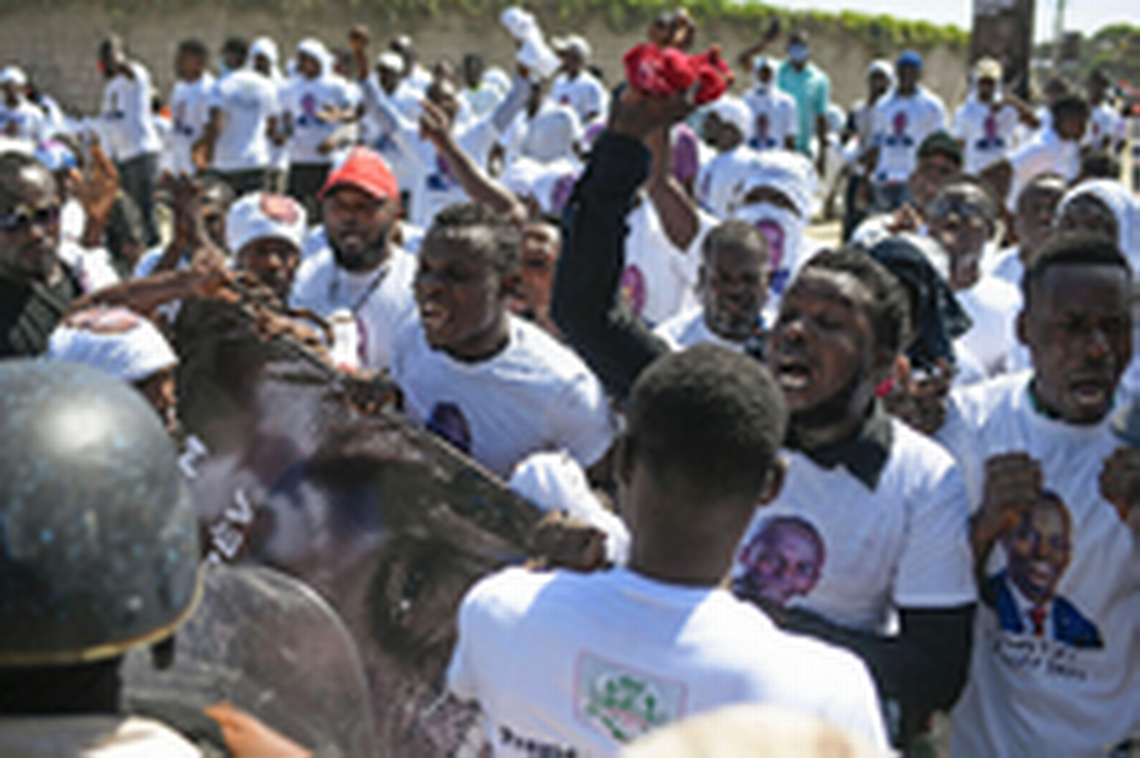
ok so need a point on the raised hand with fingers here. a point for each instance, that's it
(100, 186)
(1120, 485)
(1013, 483)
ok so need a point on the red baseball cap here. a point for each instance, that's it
(365, 170)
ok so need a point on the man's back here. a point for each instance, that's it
(248, 101)
(581, 664)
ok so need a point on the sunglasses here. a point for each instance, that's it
(22, 218)
(967, 210)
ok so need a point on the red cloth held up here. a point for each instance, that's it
(663, 72)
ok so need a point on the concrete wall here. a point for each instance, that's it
(57, 43)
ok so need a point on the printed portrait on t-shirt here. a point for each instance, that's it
(447, 421)
(308, 110)
(633, 291)
(1024, 594)
(782, 561)
(899, 136)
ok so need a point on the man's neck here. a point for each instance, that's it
(822, 427)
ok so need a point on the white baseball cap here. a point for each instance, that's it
(262, 214)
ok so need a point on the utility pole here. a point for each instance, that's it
(1058, 34)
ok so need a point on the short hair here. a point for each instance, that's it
(1037, 181)
(1099, 76)
(734, 233)
(12, 165)
(970, 180)
(889, 308)
(217, 190)
(707, 419)
(237, 47)
(503, 236)
(1100, 164)
(1072, 249)
(941, 143)
(1068, 106)
(195, 47)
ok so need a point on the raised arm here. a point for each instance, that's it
(475, 182)
(586, 302)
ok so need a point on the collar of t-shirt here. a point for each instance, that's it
(865, 455)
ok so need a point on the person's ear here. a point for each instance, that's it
(774, 481)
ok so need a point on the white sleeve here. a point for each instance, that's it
(935, 567)
(580, 421)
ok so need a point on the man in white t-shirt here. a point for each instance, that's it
(361, 272)
(902, 121)
(315, 103)
(1033, 223)
(733, 286)
(436, 186)
(497, 387)
(774, 119)
(562, 663)
(1056, 664)
(189, 104)
(575, 85)
(243, 117)
(1054, 148)
(129, 131)
(888, 503)
(962, 218)
(986, 123)
(20, 119)
(727, 127)
(1107, 129)
(263, 58)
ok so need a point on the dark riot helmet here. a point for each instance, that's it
(98, 540)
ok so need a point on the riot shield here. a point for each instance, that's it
(270, 646)
(311, 473)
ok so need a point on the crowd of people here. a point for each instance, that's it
(867, 480)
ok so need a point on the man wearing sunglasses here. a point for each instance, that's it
(36, 287)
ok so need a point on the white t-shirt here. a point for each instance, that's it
(689, 328)
(1106, 128)
(381, 299)
(992, 304)
(305, 99)
(24, 122)
(718, 179)
(535, 395)
(584, 93)
(91, 737)
(902, 545)
(1071, 690)
(901, 124)
(580, 664)
(773, 118)
(90, 265)
(128, 129)
(189, 112)
(988, 134)
(659, 280)
(1044, 152)
(248, 101)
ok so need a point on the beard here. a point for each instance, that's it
(367, 258)
(833, 408)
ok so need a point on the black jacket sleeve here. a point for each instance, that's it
(586, 303)
(923, 667)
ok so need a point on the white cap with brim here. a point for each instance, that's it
(390, 62)
(263, 215)
(116, 341)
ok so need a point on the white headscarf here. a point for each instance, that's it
(266, 47)
(116, 341)
(1118, 199)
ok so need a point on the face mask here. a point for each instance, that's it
(797, 52)
(784, 232)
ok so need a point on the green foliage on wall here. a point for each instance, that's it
(880, 33)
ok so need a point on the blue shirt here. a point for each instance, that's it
(811, 90)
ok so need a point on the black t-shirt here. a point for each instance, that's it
(29, 314)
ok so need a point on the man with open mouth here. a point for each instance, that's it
(888, 503)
